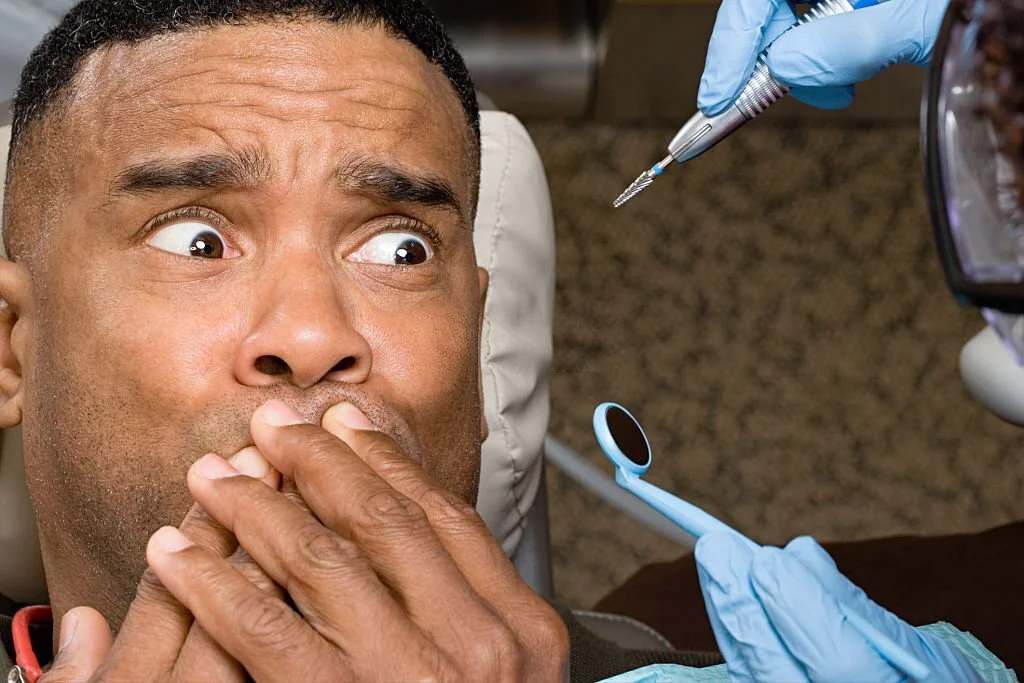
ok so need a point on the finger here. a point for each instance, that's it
(837, 97)
(85, 641)
(456, 523)
(157, 623)
(853, 47)
(781, 21)
(203, 660)
(331, 581)
(808, 620)
(201, 657)
(263, 633)
(752, 649)
(461, 531)
(819, 563)
(382, 533)
(736, 40)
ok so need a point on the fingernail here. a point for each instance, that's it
(68, 626)
(169, 540)
(347, 415)
(279, 414)
(250, 462)
(212, 466)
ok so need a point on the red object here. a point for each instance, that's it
(23, 654)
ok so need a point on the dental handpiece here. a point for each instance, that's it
(701, 132)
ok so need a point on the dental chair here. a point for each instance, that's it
(514, 240)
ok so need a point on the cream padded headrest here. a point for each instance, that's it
(514, 239)
(993, 376)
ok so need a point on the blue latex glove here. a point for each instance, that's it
(822, 59)
(775, 617)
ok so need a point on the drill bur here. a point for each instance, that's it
(643, 182)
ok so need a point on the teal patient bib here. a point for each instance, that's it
(989, 667)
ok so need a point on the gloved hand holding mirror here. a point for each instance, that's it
(781, 614)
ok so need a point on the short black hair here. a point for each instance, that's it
(94, 24)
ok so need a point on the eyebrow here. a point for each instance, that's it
(372, 178)
(390, 184)
(207, 172)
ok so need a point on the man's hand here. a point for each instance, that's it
(392, 577)
(159, 639)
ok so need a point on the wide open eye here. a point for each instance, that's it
(394, 249)
(192, 238)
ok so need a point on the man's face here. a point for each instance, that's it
(244, 213)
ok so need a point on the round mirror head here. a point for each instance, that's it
(621, 438)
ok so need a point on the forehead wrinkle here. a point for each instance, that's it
(171, 66)
(235, 94)
(286, 66)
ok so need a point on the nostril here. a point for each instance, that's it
(271, 365)
(344, 364)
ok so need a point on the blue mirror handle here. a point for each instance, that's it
(687, 516)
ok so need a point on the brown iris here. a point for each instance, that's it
(207, 245)
(410, 253)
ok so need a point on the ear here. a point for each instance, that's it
(14, 297)
(484, 280)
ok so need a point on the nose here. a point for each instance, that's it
(303, 331)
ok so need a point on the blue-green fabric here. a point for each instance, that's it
(989, 667)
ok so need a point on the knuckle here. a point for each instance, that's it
(546, 640)
(554, 638)
(445, 507)
(292, 495)
(321, 551)
(494, 650)
(268, 623)
(386, 511)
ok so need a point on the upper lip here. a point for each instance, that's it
(314, 402)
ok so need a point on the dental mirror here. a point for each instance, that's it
(622, 439)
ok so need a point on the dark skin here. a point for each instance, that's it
(222, 229)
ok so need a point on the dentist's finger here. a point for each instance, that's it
(740, 33)
(837, 97)
(750, 645)
(809, 621)
(850, 48)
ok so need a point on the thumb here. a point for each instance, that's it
(85, 640)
